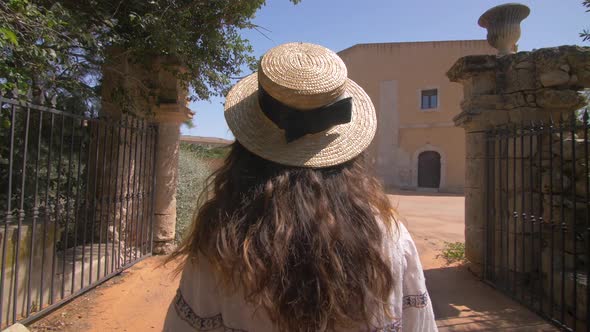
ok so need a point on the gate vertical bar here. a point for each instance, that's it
(488, 216)
(151, 184)
(126, 244)
(8, 217)
(46, 211)
(500, 213)
(507, 210)
(136, 164)
(109, 199)
(541, 225)
(562, 220)
(76, 212)
(86, 199)
(490, 192)
(35, 214)
(57, 202)
(67, 219)
(122, 192)
(154, 181)
(140, 129)
(144, 182)
(573, 227)
(94, 200)
(586, 175)
(533, 221)
(116, 234)
(21, 215)
(131, 186)
(522, 213)
(148, 182)
(551, 221)
(102, 193)
(514, 212)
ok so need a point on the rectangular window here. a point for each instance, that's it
(429, 99)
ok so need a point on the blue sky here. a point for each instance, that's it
(339, 24)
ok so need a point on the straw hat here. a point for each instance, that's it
(300, 109)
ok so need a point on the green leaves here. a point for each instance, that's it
(44, 47)
(8, 35)
(585, 34)
(453, 252)
(60, 45)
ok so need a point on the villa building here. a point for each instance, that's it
(416, 146)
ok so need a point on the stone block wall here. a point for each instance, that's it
(511, 90)
(524, 230)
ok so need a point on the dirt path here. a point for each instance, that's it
(138, 299)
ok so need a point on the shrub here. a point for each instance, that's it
(453, 252)
(195, 164)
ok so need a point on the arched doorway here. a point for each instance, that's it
(429, 169)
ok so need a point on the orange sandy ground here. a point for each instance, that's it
(137, 300)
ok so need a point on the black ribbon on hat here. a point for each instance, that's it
(297, 123)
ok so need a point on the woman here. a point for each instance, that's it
(297, 235)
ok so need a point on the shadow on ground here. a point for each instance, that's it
(464, 303)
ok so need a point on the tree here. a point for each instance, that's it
(585, 34)
(60, 45)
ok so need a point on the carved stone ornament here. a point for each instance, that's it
(503, 25)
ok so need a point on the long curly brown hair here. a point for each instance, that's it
(305, 244)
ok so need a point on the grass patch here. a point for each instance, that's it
(453, 252)
(195, 164)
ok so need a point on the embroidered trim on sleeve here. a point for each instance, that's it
(395, 326)
(186, 313)
(415, 301)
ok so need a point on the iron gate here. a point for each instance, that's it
(538, 222)
(76, 203)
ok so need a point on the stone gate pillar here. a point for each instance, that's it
(152, 91)
(509, 90)
(169, 113)
(169, 118)
(476, 73)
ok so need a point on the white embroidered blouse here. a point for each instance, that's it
(200, 306)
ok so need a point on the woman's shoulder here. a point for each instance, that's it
(395, 232)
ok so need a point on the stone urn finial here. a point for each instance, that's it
(503, 25)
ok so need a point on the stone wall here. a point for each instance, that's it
(41, 261)
(519, 88)
(519, 118)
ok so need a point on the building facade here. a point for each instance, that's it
(416, 146)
